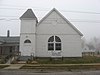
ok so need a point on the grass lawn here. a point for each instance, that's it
(62, 66)
(65, 64)
(78, 60)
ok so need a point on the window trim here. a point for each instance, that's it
(55, 42)
(27, 41)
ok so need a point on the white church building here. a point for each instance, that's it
(52, 36)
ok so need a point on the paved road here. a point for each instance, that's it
(28, 72)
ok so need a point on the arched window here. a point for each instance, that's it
(51, 39)
(57, 39)
(27, 41)
(54, 43)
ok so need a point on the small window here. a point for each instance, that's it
(27, 41)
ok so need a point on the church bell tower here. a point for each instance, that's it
(27, 33)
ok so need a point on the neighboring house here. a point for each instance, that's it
(88, 51)
(9, 45)
(52, 36)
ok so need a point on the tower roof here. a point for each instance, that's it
(28, 15)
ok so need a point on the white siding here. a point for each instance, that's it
(71, 46)
(28, 28)
(54, 24)
(57, 26)
(27, 48)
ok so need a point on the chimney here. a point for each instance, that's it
(8, 33)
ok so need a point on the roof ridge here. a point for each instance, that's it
(54, 9)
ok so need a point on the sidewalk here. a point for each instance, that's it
(14, 66)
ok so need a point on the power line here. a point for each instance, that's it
(72, 20)
(87, 21)
(7, 16)
(13, 8)
(38, 9)
(15, 5)
(82, 12)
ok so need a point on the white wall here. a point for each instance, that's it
(53, 25)
(28, 28)
(27, 48)
(56, 25)
(71, 46)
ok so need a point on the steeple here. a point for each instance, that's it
(27, 32)
(28, 15)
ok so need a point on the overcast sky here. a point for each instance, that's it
(84, 14)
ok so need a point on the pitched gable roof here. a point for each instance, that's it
(63, 18)
(28, 15)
